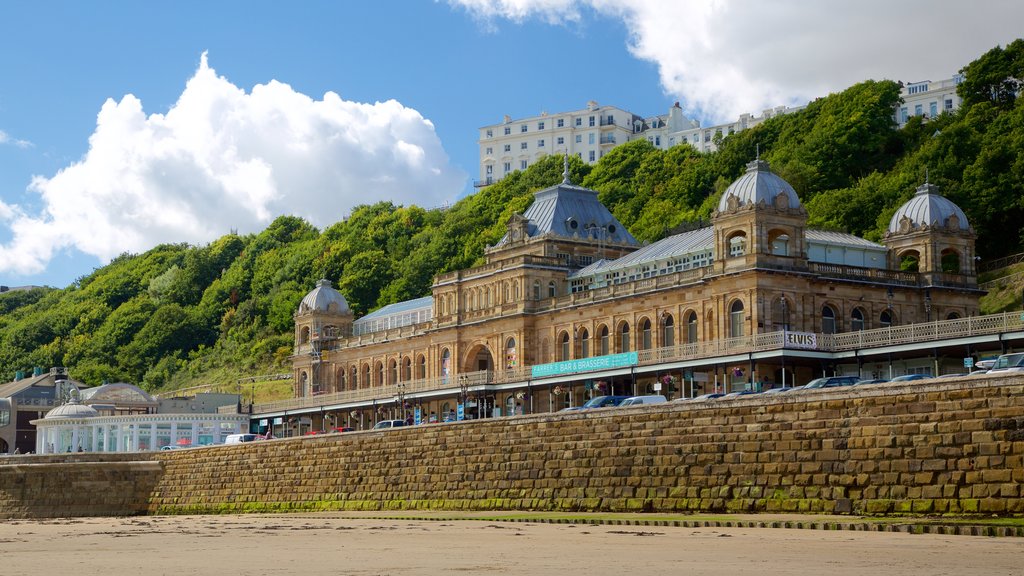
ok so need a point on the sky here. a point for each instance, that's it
(127, 124)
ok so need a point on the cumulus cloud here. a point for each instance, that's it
(722, 58)
(222, 158)
(6, 138)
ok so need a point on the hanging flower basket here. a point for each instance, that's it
(520, 395)
(558, 391)
(601, 386)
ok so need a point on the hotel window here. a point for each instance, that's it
(565, 346)
(645, 335)
(933, 109)
(736, 319)
(551, 290)
(508, 167)
(948, 104)
(691, 328)
(523, 128)
(489, 151)
(561, 140)
(591, 121)
(540, 143)
(540, 125)
(624, 337)
(561, 122)
(604, 340)
(490, 169)
(508, 147)
(508, 130)
(523, 145)
(579, 138)
(590, 138)
(611, 119)
(904, 116)
(490, 133)
(592, 156)
(584, 343)
(918, 109)
(669, 335)
(885, 319)
(857, 320)
(828, 320)
(657, 140)
(523, 164)
(579, 121)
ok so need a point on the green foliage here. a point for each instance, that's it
(179, 314)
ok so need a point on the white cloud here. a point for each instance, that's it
(222, 158)
(6, 138)
(725, 57)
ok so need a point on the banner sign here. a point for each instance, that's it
(585, 364)
(807, 340)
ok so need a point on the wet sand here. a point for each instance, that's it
(313, 544)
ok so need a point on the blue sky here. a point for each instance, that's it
(103, 148)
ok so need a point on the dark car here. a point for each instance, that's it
(739, 393)
(709, 396)
(871, 381)
(603, 402)
(910, 377)
(831, 382)
(781, 389)
(344, 429)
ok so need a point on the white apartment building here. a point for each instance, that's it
(589, 134)
(928, 99)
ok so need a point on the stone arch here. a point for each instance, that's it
(564, 346)
(953, 316)
(691, 326)
(604, 340)
(583, 343)
(779, 240)
(421, 367)
(367, 381)
(406, 369)
(622, 333)
(303, 383)
(304, 335)
(736, 243)
(858, 319)
(645, 336)
(354, 380)
(909, 260)
(341, 373)
(887, 318)
(378, 373)
(668, 330)
(949, 260)
(479, 358)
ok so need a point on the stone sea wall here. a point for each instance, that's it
(955, 447)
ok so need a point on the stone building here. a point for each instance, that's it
(568, 304)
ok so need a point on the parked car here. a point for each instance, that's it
(240, 438)
(708, 396)
(953, 375)
(831, 382)
(739, 393)
(910, 377)
(642, 400)
(603, 402)
(780, 390)
(871, 381)
(571, 409)
(984, 364)
(343, 429)
(388, 424)
(1008, 363)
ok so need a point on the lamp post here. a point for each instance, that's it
(401, 398)
(463, 392)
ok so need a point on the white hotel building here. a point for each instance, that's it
(589, 134)
(593, 131)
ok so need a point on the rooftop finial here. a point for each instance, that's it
(926, 175)
(565, 172)
(757, 151)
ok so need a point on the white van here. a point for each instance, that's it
(642, 400)
(239, 438)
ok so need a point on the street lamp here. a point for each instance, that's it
(464, 391)
(401, 398)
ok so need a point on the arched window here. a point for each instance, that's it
(737, 245)
(366, 376)
(304, 335)
(584, 343)
(354, 384)
(885, 319)
(668, 337)
(780, 245)
(645, 334)
(909, 261)
(392, 372)
(446, 360)
(421, 367)
(564, 348)
(406, 369)
(950, 261)
(341, 379)
(604, 340)
(736, 319)
(857, 320)
(536, 289)
(953, 316)
(304, 384)
(828, 320)
(624, 337)
(691, 328)
(551, 290)
(379, 374)
(508, 293)
(511, 357)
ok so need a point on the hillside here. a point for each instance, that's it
(179, 315)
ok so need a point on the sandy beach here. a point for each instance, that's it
(313, 544)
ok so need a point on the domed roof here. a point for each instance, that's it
(72, 409)
(758, 184)
(928, 208)
(324, 298)
(118, 392)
